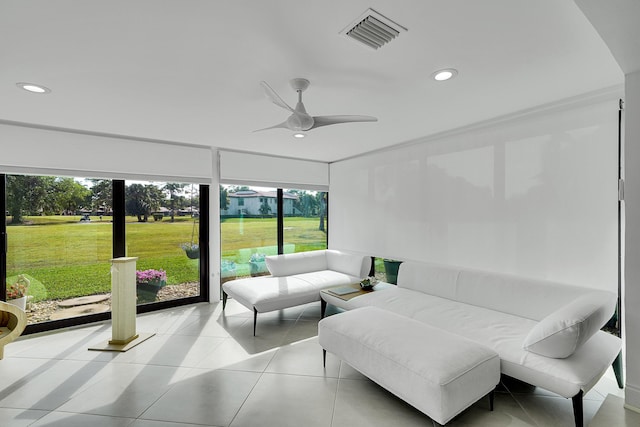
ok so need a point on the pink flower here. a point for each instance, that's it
(150, 276)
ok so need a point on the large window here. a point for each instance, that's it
(162, 230)
(62, 232)
(59, 238)
(248, 230)
(305, 220)
(253, 218)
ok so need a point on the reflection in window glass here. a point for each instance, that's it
(248, 230)
(59, 245)
(162, 229)
(305, 220)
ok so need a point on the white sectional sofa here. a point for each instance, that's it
(296, 279)
(546, 334)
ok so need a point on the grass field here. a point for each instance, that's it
(239, 233)
(72, 258)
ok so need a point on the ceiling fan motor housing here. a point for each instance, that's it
(298, 122)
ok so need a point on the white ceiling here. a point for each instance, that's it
(188, 71)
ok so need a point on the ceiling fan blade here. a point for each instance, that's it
(273, 96)
(279, 125)
(334, 120)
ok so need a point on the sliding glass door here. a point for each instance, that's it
(60, 234)
(163, 232)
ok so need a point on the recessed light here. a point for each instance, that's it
(446, 74)
(298, 135)
(33, 88)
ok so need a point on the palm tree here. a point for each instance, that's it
(173, 188)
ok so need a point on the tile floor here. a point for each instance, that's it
(204, 367)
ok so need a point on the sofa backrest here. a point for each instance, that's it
(433, 279)
(347, 263)
(306, 262)
(531, 298)
(301, 262)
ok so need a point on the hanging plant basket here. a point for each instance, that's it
(193, 252)
(192, 249)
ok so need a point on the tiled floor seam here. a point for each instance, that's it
(535, 424)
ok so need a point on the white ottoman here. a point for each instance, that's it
(437, 372)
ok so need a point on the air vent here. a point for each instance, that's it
(373, 29)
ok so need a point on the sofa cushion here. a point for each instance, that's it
(562, 332)
(301, 262)
(271, 293)
(326, 279)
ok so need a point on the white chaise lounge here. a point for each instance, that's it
(296, 279)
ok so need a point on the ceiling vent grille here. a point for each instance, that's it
(373, 29)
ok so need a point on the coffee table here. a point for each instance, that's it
(327, 296)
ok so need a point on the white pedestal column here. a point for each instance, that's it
(123, 307)
(123, 300)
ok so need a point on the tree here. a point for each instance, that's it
(224, 198)
(322, 196)
(26, 195)
(102, 194)
(141, 200)
(66, 195)
(173, 188)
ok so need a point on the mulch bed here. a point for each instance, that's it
(44, 310)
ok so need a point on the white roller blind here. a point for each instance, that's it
(535, 196)
(44, 151)
(255, 169)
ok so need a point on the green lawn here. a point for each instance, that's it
(239, 233)
(72, 258)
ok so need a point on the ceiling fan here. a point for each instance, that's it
(300, 120)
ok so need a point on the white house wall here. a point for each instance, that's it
(535, 195)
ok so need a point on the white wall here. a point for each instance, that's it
(534, 195)
(630, 311)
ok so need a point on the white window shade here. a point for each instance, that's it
(52, 152)
(255, 169)
(535, 196)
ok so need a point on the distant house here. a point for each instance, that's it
(248, 202)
